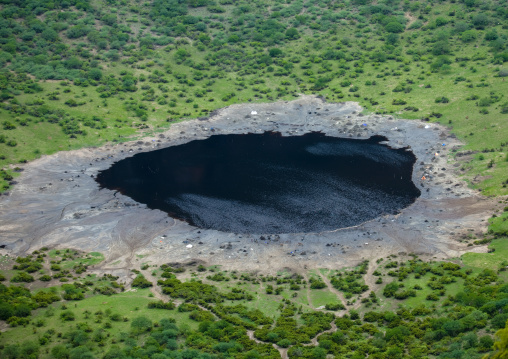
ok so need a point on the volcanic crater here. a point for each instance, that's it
(58, 202)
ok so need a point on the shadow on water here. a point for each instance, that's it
(267, 183)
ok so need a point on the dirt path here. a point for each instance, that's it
(369, 277)
(307, 291)
(314, 340)
(157, 293)
(283, 351)
(155, 289)
(332, 289)
(370, 281)
(410, 17)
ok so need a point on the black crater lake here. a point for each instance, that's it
(267, 183)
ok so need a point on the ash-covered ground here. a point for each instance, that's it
(58, 203)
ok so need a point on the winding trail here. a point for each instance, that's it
(308, 291)
(283, 351)
(314, 340)
(410, 17)
(368, 278)
(332, 289)
(155, 289)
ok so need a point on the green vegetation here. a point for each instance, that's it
(498, 254)
(422, 309)
(79, 73)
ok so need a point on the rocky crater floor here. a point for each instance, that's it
(58, 203)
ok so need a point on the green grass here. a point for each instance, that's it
(451, 289)
(499, 224)
(411, 281)
(301, 299)
(95, 258)
(321, 297)
(89, 259)
(268, 304)
(5, 259)
(128, 304)
(314, 274)
(489, 260)
(325, 272)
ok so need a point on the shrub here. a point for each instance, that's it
(404, 294)
(71, 103)
(390, 289)
(6, 311)
(485, 102)
(480, 21)
(499, 321)
(372, 317)
(468, 36)
(141, 282)
(394, 27)
(201, 316)
(485, 344)
(397, 334)
(504, 108)
(8, 125)
(432, 297)
(398, 102)
(284, 343)
(275, 52)
(416, 25)
(22, 277)
(353, 314)
(292, 33)
(67, 316)
(161, 305)
(335, 306)
(442, 99)
(317, 284)
(141, 324)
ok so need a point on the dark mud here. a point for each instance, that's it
(267, 183)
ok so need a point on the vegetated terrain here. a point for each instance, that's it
(59, 304)
(78, 73)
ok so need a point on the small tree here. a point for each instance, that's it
(140, 325)
(141, 282)
(67, 316)
(394, 27)
(501, 346)
(292, 34)
(480, 21)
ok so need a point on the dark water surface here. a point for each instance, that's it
(266, 183)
